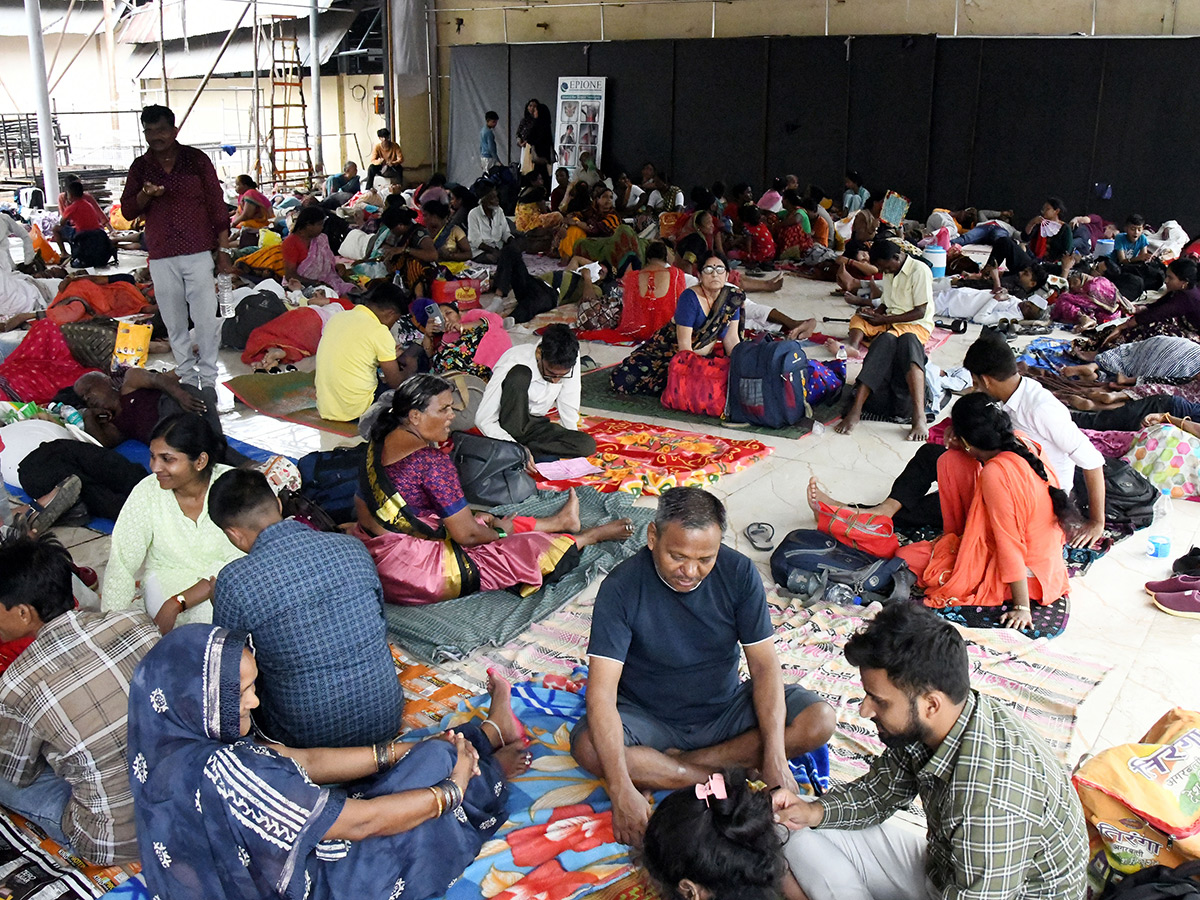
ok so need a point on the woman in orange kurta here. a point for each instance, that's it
(1003, 515)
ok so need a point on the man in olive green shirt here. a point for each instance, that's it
(1003, 821)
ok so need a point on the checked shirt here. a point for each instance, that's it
(1003, 819)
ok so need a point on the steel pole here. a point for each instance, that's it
(41, 91)
(314, 62)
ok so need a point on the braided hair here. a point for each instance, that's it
(728, 846)
(982, 422)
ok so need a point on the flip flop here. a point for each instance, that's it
(760, 535)
(66, 494)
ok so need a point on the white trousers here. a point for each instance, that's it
(885, 862)
(186, 286)
(755, 315)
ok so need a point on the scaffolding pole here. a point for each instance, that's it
(162, 56)
(208, 75)
(256, 125)
(41, 90)
(314, 64)
(110, 52)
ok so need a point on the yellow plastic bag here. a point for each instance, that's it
(268, 238)
(133, 345)
(1142, 801)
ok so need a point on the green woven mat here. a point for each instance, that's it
(450, 630)
(597, 393)
(291, 396)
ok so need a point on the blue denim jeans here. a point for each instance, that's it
(43, 802)
(980, 234)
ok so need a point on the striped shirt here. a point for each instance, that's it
(65, 700)
(1003, 819)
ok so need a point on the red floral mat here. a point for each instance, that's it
(647, 459)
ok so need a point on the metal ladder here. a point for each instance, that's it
(287, 140)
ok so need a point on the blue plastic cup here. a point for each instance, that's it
(1158, 546)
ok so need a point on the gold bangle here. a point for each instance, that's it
(441, 800)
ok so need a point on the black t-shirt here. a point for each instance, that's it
(681, 651)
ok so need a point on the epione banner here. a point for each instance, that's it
(579, 119)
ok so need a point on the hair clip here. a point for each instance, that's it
(714, 787)
(757, 786)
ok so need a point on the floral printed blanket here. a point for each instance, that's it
(639, 458)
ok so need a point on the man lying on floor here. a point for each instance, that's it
(665, 706)
(1002, 818)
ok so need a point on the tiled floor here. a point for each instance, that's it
(1154, 656)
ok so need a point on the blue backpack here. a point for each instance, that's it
(768, 384)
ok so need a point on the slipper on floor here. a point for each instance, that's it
(41, 519)
(760, 535)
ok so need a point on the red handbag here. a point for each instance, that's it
(697, 384)
(868, 532)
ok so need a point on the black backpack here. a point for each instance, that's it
(253, 310)
(330, 479)
(335, 229)
(805, 552)
(92, 249)
(1129, 497)
(1158, 883)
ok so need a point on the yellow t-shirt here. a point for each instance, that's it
(352, 346)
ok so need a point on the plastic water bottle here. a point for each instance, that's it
(842, 595)
(68, 414)
(841, 354)
(225, 305)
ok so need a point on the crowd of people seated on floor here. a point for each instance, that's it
(213, 635)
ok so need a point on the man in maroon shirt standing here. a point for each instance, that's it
(176, 189)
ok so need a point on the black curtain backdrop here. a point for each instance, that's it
(533, 71)
(807, 128)
(477, 91)
(997, 123)
(633, 140)
(720, 112)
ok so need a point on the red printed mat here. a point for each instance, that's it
(647, 459)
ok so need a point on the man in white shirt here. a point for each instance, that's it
(487, 229)
(1044, 418)
(527, 382)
